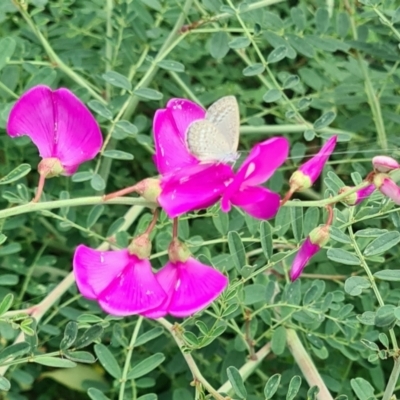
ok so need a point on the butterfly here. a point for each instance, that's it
(216, 137)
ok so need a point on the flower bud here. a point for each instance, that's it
(140, 246)
(384, 164)
(178, 251)
(308, 172)
(387, 187)
(317, 238)
(50, 167)
(356, 197)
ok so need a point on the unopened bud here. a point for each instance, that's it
(384, 164)
(140, 246)
(320, 235)
(387, 187)
(298, 181)
(357, 197)
(149, 189)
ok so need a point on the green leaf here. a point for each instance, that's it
(355, 285)
(70, 334)
(4, 382)
(298, 18)
(94, 215)
(148, 94)
(237, 382)
(115, 226)
(108, 361)
(3, 238)
(278, 54)
(148, 396)
(338, 235)
(100, 108)
(296, 214)
(385, 316)
(291, 81)
(96, 394)
(118, 155)
(219, 45)
(252, 70)
(7, 46)
(89, 336)
(362, 388)
(149, 335)
(191, 338)
(342, 24)
(342, 256)
(382, 243)
(54, 362)
(239, 43)
(80, 356)
(271, 386)
(324, 120)
(278, 341)
(294, 387)
(266, 239)
(322, 19)
(16, 173)
(221, 222)
(272, 95)
(314, 292)
(392, 275)
(254, 293)
(97, 182)
(171, 65)
(236, 248)
(6, 303)
(127, 127)
(146, 366)
(82, 176)
(301, 45)
(15, 350)
(118, 80)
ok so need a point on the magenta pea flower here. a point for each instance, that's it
(387, 187)
(244, 190)
(62, 128)
(308, 173)
(356, 198)
(384, 164)
(120, 281)
(186, 183)
(190, 285)
(317, 238)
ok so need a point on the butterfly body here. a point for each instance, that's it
(216, 137)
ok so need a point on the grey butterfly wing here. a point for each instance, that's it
(205, 141)
(224, 114)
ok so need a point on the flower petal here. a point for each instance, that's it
(198, 286)
(303, 256)
(94, 270)
(135, 290)
(33, 115)
(169, 127)
(257, 201)
(314, 166)
(167, 277)
(77, 135)
(193, 188)
(388, 187)
(59, 124)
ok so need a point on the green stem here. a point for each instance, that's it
(128, 358)
(306, 364)
(385, 21)
(109, 49)
(197, 376)
(253, 6)
(81, 201)
(394, 377)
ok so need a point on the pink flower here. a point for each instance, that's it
(186, 183)
(59, 124)
(317, 238)
(357, 197)
(244, 190)
(384, 163)
(309, 172)
(190, 285)
(387, 187)
(120, 282)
